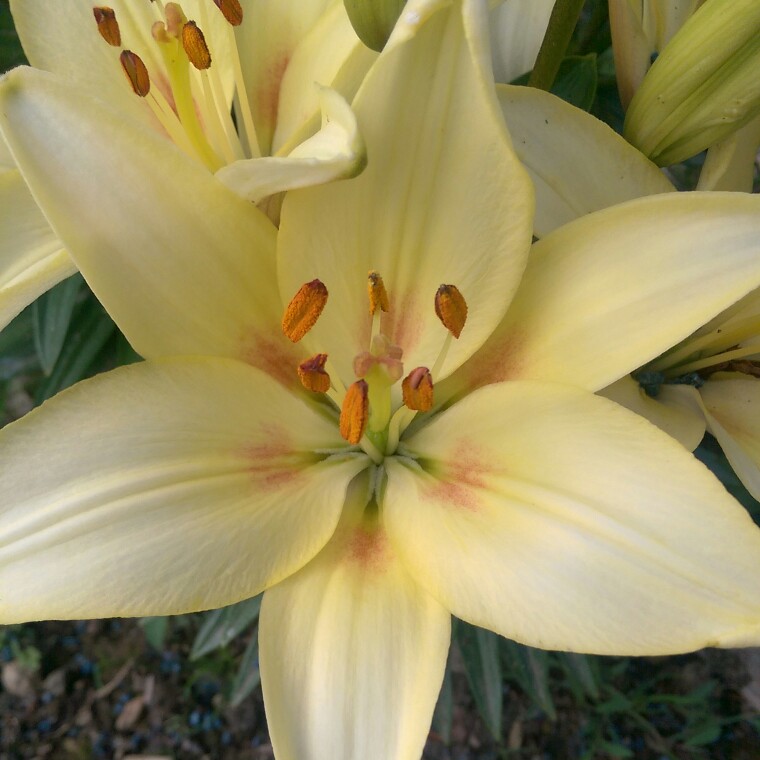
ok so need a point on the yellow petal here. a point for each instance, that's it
(181, 263)
(31, 256)
(577, 163)
(352, 654)
(561, 520)
(331, 54)
(517, 31)
(609, 292)
(335, 152)
(732, 403)
(162, 488)
(266, 44)
(675, 409)
(430, 209)
(730, 164)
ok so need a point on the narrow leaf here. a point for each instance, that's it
(248, 676)
(51, 314)
(221, 626)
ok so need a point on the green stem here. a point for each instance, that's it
(565, 15)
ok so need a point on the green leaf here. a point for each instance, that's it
(221, 626)
(51, 315)
(615, 750)
(530, 668)
(577, 80)
(706, 733)
(248, 675)
(444, 708)
(579, 669)
(11, 53)
(155, 629)
(480, 652)
(90, 329)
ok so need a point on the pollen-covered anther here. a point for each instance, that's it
(231, 10)
(378, 295)
(312, 374)
(417, 390)
(108, 26)
(304, 309)
(136, 72)
(354, 413)
(451, 308)
(195, 46)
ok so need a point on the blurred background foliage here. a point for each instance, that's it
(188, 686)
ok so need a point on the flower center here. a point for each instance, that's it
(188, 98)
(367, 414)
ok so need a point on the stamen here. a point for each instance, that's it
(136, 72)
(417, 390)
(304, 309)
(312, 374)
(108, 26)
(451, 308)
(355, 412)
(195, 46)
(378, 295)
(231, 10)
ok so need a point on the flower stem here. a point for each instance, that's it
(562, 22)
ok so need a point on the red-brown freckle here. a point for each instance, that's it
(403, 322)
(273, 460)
(497, 361)
(463, 476)
(273, 355)
(369, 549)
(269, 93)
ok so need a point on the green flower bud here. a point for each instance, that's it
(373, 20)
(704, 85)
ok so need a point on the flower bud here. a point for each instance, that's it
(373, 20)
(704, 85)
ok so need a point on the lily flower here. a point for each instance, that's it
(707, 382)
(187, 65)
(380, 414)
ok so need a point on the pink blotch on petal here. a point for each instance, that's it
(369, 549)
(498, 360)
(403, 322)
(461, 477)
(272, 354)
(273, 459)
(268, 96)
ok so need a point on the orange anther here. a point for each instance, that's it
(108, 26)
(231, 10)
(136, 72)
(378, 295)
(304, 309)
(451, 308)
(312, 374)
(355, 412)
(195, 46)
(417, 390)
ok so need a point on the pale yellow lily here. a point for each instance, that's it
(708, 382)
(271, 62)
(530, 506)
